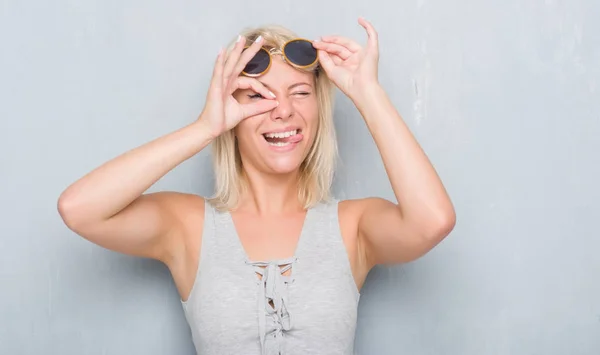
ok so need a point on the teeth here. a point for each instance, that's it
(281, 134)
(280, 144)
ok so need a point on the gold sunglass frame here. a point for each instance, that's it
(275, 51)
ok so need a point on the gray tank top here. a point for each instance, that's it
(231, 310)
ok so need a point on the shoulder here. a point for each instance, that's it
(188, 208)
(352, 209)
(185, 202)
(180, 206)
(185, 212)
(351, 214)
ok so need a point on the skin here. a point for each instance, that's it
(108, 205)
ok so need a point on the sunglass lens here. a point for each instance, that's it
(258, 64)
(301, 52)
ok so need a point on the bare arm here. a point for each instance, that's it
(424, 215)
(108, 205)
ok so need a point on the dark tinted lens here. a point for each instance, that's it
(258, 64)
(300, 52)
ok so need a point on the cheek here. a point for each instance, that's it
(312, 122)
(244, 130)
(309, 110)
(247, 133)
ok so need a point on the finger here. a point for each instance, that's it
(343, 41)
(326, 61)
(373, 40)
(233, 58)
(333, 48)
(216, 82)
(244, 82)
(336, 60)
(248, 54)
(258, 107)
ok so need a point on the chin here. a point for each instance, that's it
(282, 166)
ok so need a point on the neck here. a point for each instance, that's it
(270, 193)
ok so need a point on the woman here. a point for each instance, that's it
(270, 264)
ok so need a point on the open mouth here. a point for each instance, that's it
(282, 139)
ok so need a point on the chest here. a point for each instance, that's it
(319, 305)
(269, 238)
(283, 283)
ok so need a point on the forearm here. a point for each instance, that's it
(419, 191)
(112, 186)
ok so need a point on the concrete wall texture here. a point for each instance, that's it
(504, 96)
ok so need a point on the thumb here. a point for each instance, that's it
(259, 107)
(326, 61)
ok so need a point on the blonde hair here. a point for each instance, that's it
(316, 171)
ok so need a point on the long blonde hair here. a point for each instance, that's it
(316, 171)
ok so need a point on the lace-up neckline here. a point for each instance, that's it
(306, 304)
(274, 318)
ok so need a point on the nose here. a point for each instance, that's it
(285, 109)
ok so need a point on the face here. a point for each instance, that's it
(278, 141)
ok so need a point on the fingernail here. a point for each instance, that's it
(258, 39)
(238, 39)
(316, 40)
(272, 94)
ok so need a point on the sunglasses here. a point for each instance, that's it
(299, 53)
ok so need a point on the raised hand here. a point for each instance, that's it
(222, 111)
(351, 67)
